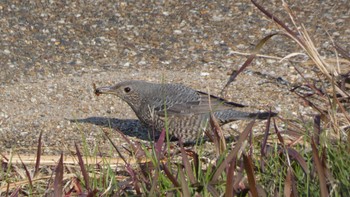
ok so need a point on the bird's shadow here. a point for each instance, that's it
(129, 127)
(132, 128)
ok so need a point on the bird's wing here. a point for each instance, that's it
(202, 104)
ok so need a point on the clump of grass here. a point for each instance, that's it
(331, 137)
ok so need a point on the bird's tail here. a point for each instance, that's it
(232, 115)
(262, 115)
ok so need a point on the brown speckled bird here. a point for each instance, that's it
(185, 110)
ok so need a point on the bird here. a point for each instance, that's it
(183, 111)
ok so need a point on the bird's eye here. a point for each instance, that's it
(127, 89)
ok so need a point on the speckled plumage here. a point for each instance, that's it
(186, 110)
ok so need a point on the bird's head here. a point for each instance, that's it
(129, 91)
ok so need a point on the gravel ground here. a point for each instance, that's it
(52, 52)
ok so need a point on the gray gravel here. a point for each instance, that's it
(51, 52)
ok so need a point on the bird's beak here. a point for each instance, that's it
(104, 90)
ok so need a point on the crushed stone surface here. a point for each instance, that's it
(51, 52)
